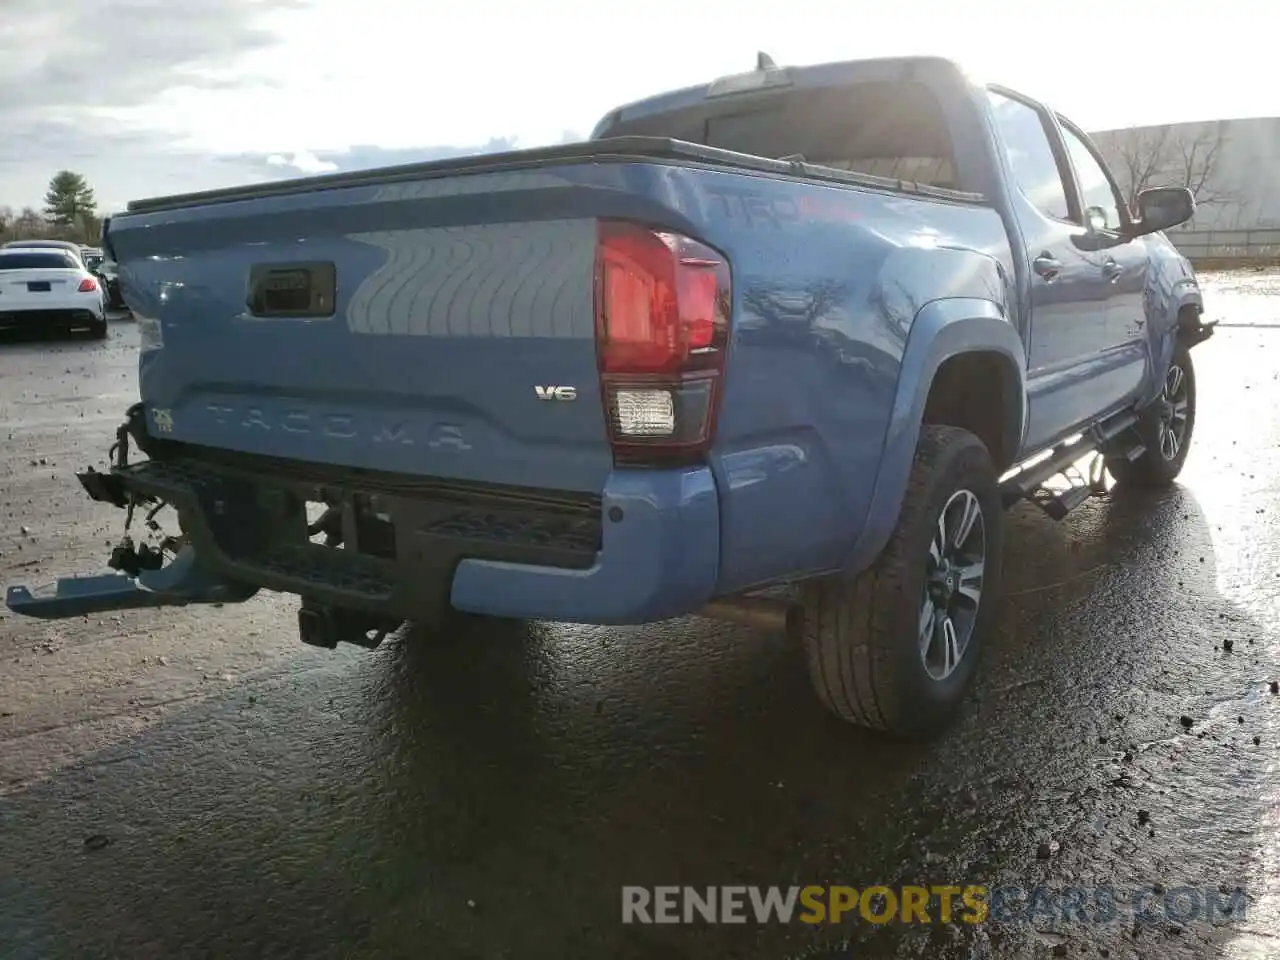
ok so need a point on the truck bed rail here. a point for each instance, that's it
(613, 150)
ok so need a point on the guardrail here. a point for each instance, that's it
(1228, 248)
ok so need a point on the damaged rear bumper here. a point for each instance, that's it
(401, 547)
(182, 581)
(390, 552)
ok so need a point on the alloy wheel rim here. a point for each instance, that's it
(1174, 406)
(953, 585)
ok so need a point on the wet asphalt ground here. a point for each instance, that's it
(197, 783)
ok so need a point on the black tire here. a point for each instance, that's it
(1159, 427)
(99, 330)
(863, 635)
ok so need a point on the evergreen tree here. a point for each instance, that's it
(68, 200)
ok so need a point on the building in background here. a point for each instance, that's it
(1232, 167)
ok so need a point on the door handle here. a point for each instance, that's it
(1111, 270)
(1046, 266)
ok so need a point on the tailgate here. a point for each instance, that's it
(424, 328)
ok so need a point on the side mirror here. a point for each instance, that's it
(1163, 207)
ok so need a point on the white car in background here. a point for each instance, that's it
(73, 248)
(47, 289)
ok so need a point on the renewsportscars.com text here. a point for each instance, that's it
(969, 904)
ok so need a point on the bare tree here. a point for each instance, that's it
(90, 228)
(1187, 155)
(29, 225)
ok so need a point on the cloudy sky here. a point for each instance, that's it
(149, 97)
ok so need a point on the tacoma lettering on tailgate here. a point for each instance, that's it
(340, 426)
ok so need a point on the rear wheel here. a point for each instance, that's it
(896, 648)
(1165, 428)
(98, 329)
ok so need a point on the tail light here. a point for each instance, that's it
(88, 285)
(662, 332)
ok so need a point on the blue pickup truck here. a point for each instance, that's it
(778, 349)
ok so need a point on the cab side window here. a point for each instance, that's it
(1096, 192)
(1031, 157)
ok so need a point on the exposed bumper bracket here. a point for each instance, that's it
(179, 583)
(104, 487)
(1197, 333)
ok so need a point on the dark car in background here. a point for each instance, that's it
(106, 271)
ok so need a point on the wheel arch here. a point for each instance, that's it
(951, 340)
(1186, 318)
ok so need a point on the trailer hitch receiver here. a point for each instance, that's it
(320, 625)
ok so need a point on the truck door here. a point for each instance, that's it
(1124, 263)
(1069, 319)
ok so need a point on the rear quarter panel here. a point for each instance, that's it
(1171, 287)
(827, 284)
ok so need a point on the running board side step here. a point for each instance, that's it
(1030, 483)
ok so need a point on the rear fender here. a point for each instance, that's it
(1186, 328)
(942, 329)
(1190, 297)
